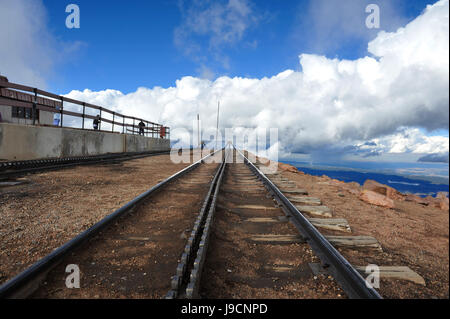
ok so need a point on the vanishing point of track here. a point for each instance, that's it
(216, 229)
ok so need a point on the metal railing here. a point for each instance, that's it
(14, 95)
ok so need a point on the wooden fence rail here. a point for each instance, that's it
(14, 95)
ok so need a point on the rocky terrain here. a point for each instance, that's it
(412, 231)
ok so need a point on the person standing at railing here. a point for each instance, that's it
(56, 117)
(96, 122)
(141, 127)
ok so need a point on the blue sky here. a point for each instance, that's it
(125, 45)
(311, 69)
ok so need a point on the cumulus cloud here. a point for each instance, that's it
(330, 104)
(406, 140)
(28, 51)
(24, 54)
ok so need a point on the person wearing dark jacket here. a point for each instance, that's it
(96, 122)
(141, 128)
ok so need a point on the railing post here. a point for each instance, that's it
(123, 124)
(84, 113)
(100, 123)
(114, 115)
(33, 111)
(62, 109)
(133, 125)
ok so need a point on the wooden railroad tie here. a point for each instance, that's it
(386, 272)
(296, 191)
(305, 200)
(322, 211)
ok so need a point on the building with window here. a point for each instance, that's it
(9, 113)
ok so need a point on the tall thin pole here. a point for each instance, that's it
(217, 129)
(198, 130)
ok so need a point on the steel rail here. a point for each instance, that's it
(25, 283)
(11, 169)
(192, 290)
(181, 277)
(347, 277)
(185, 282)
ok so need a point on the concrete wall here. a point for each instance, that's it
(23, 142)
(136, 143)
(44, 117)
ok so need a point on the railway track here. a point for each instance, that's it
(13, 169)
(210, 231)
(134, 245)
(254, 243)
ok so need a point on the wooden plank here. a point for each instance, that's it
(9, 102)
(305, 200)
(282, 179)
(242, 175)
(339, 224)
(286, 186)
(354, 241)
(279, 219)
(250, 188)
(296, 191)
(72, 113)
(69, 100)
(193, 182)
(248, 183)
(396, 272)
(323, 211)
(277, 239)
(16, 86)
(259, 207)
(139, 238)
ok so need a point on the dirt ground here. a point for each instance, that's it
(410, 234)
(52, 207)
(137, 256)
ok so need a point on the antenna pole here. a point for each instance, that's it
(198, 130)
(217, 129)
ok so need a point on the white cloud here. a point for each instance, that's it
(410, 140)
(331, 103)
(24, 51)
(28, 51)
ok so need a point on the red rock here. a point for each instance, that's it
(376, 199)
(416, 199)
(383, 190)
(440, 201)
(354, 191)
(444, 205)
(352, 187)
(287, 168)
(442, 195)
